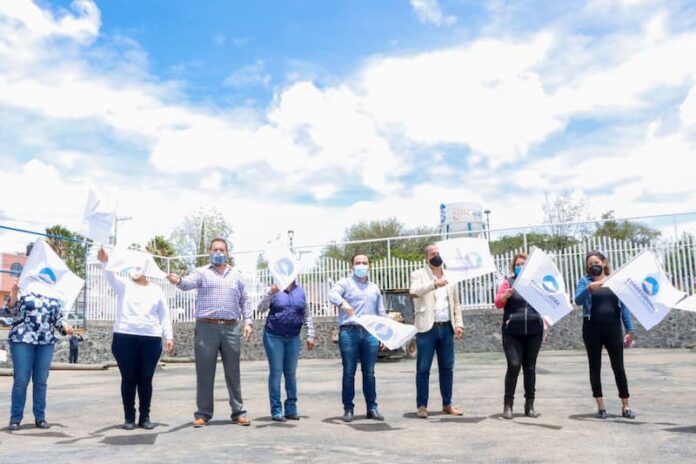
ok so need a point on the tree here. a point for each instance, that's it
(70, 251)
(625, 230)
(160, 246)
(411, 249)
(564, 211)
(194, 234)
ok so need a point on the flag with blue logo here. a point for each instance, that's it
(46, 274)
(282, 264)
(466, 258)
(644, 288)
(134, 263)
(541, 284)
(99, 215)
(388, 331)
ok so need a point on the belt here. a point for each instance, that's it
(441, 324)
(217, 321)
(352, 327)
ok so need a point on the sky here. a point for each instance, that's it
(314, 115)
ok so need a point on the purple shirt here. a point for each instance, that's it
(220, 295)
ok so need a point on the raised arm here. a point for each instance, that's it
(500, 298)
(420, 284)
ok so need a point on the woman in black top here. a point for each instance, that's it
(523, 332)
(603, 314)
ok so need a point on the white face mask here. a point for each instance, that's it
(135, 274)
(360, 270)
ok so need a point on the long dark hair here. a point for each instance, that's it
(600, 255)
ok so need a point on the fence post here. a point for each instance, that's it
(84, 293)
(388, 249)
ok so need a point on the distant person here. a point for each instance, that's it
(288, 312)
(438, 319)
(142, 321)
(603, 313)
(356, 296)
(222, 308)
(523, 333)
(75, 340)
(32, 340)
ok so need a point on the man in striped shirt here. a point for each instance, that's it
(222, 306)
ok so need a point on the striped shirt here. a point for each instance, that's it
(221, 295)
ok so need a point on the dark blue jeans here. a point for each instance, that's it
(356, 344)
(282, 353)
(439, 339)
(30, 362)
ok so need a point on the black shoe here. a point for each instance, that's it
(628, 414)
(42, 424)
(14, 426)
(375, 415)
(347, 416)
(602, 414)
(128, 426)
(507, 411)
(146, 424)
(529, 408)
(292, 417)
(278, 418)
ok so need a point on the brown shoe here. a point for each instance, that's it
(422, 412)
(199, 422)
(452, 411)
(242, 420)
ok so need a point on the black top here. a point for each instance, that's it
(605, 306)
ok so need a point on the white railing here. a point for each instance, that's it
(678, 259)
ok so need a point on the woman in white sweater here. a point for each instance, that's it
(142, 320)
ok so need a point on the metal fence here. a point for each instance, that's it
(678, 258)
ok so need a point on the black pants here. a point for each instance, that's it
(72, 357)
(521, 352)
(137, 357)
(609, 335)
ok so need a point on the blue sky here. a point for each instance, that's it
(312, 115)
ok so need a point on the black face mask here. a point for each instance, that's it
(436, 261)
(596, 270)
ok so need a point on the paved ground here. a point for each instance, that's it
(85, 410)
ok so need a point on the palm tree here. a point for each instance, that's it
(160, 246)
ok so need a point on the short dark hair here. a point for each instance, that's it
(352, 260)
(221, 240)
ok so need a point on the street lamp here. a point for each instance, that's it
(121, 218)
(488, 223)
(291, 235)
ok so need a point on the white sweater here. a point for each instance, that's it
(142, 309)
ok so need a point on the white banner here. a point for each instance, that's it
(687, 304)
(99, 215)
(282, 264)
(138, 262)
(644, 288)
(393, 334)
(466, 258)
(541, 284)
(46, 274)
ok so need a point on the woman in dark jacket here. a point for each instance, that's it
(603, 315)
(523, 332)
(281, 340)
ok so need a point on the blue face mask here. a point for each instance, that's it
(518, 269)
(218, 258)
(360, 270)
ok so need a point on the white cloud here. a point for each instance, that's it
(249, 75)
(429, 11)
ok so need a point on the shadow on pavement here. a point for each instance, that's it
(442, 417)
(137, 439)
(688, 429)
(372, 426)
(526, 422)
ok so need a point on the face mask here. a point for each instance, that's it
(518, 269)
(436, 261)
(135, 274)
(218, 258)
(596, 270)
(360, 270)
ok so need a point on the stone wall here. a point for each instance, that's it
(482, 333)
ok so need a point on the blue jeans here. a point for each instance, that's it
(439, 339)
(283, 353)
(356, 344)
(29, 362)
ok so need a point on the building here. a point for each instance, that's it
(12, 265)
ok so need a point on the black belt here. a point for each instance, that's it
(216, 321)
(441, 324)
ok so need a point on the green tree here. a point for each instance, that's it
(160, 246)
(70, 251)
(194, 234)
(625, 230)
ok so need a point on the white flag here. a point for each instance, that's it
(46, 274)
(136, 262)
(393, 334)
(282, 264)
(687, 304)
(644, 288)
(99, 215)
(466, 258)
(541, 284)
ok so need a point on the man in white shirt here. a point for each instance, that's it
(438, 319)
